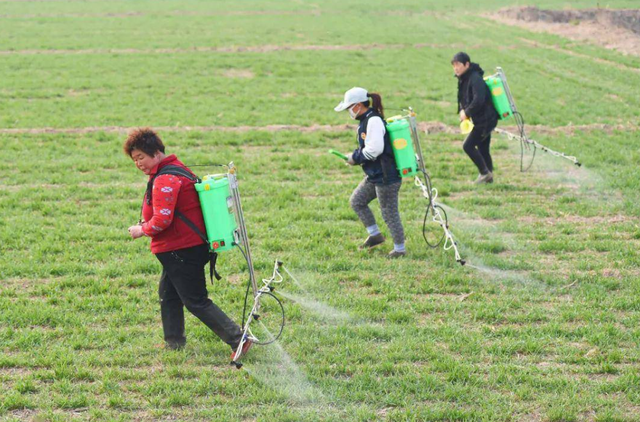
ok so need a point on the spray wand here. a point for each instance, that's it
(505, 105)
(338, 154)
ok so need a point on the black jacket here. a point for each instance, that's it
(382, 170)
(474, 98)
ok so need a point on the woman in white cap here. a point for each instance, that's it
(376, 157)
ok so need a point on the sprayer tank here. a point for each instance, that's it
(402, 144)
(218, 210)
(499, 96)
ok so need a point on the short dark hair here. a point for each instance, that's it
(461, 57)
(145, 140)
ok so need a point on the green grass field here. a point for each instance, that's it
(543, 325)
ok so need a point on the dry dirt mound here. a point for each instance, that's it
(625, 19)
(615, 29)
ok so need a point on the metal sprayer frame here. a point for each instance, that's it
(243, 238)
(242, 241)
(254, 315)
(429, 192)
(524, 140)
(500, 73)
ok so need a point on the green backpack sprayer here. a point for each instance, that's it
(226, 228)
(405, 142)
(506, 107)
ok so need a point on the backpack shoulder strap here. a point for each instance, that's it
(177, 171)
(181, 171)
(172, 170)
(213, 256)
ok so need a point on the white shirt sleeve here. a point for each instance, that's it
(374, 142)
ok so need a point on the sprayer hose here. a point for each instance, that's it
(277, 336)
(523, 143)
(427, 181)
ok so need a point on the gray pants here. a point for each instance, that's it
(388, 197)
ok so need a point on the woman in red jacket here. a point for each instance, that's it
(169, 201)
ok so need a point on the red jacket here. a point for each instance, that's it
(171, 193)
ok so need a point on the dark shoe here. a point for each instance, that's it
(484, 178)
(396, 254)
(372, 241)
(245, 348)
(174, 345)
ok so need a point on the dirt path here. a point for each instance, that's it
(165, 13)
(425, 127)
(233, 49)
(204, 13)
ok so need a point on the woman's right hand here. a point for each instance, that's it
(136, 231)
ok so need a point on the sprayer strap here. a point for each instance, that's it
(181, 171)
(213, 256)
(192, 226)
(171, 170)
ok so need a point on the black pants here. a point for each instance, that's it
(183, 283)
(477, 147)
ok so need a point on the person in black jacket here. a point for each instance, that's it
(475, 103)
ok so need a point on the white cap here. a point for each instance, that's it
(353, 96)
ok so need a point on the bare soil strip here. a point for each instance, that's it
(425, 127)
(51, 1)
(122, 129)
(230, 49)
(203, 13)
(167, 13)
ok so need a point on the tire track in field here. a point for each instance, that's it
(425, 127)
(598, 60)
(231, 49)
